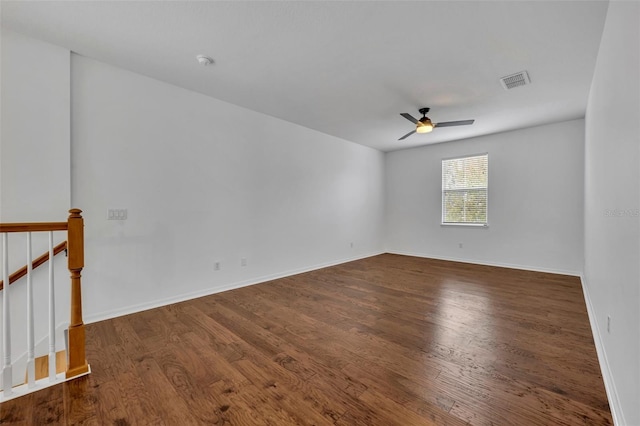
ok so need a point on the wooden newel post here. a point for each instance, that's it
(77, 364)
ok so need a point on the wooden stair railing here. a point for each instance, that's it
(75, 242)
(39, 261)
(77, 364)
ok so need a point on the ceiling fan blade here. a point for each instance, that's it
(409, 117)
(407, 135)
(454, 123)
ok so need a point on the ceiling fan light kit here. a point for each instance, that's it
(424, 125)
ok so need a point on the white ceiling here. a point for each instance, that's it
(347, 68)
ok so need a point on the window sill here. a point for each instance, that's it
(472, 225)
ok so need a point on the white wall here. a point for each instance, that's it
(612, 204)
(34, 149)
(207, 181)
(34, 171)
(535, 200)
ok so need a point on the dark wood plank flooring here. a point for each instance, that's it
(388, 340)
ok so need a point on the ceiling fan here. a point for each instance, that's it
(424, 125)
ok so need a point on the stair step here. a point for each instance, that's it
(42, 365)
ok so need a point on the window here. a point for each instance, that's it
(464, 190)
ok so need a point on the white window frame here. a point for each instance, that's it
(442, 194)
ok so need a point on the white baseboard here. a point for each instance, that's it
(206, 292)
(486, 263)
(609, 385)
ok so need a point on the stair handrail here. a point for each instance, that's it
(38, 261)
(76, 359)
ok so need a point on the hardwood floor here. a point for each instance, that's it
(388, 340)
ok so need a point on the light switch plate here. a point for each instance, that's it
(117, 214)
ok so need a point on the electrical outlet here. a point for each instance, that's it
(216, 266)
(608, 324)
(243, 261)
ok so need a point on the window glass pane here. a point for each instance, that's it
(464, 189)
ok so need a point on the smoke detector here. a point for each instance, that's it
(515, 80)
(204, 60)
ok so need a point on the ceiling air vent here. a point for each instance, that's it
(515, 80)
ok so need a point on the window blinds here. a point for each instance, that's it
(464, 189)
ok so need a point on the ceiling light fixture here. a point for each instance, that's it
(204, 60)
(424, 125)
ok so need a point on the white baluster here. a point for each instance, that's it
(31, 366)
(52, 315)
(7, 376)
